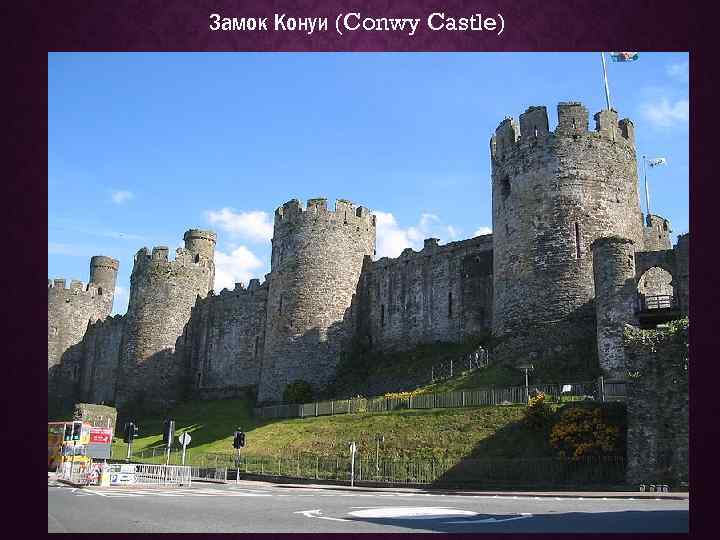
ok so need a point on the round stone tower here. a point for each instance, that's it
(103, 273)
(615, 298)
(553, 194)
(317, 256)
(162, 294)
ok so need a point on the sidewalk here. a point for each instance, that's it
(489, 493)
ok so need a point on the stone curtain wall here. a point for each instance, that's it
(439, 294)
(317, 257)
(162, 294)
(100, 358)
(657, 404)
(554, 193)
(224, 339)
(69, 312)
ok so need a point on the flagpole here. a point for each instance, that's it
(647, 191)
(605, 78)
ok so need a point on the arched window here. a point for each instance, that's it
(655, 286)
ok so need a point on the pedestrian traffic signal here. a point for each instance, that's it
(239, 439)
(134, 431)
(67, 436)
(76, 431)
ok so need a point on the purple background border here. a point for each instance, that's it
(37, 27)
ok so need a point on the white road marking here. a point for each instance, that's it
(411, 512)
(488, 520)
(317, 514)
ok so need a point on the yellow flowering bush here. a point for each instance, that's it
(585, 432)
(538, 412)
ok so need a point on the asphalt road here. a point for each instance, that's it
(277, 508)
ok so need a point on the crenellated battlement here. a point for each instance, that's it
(159, 256)
(346, 213)
(533, 128)
(432, 248)
(254, 292)
(58, 287)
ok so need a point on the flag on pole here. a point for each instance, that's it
(623, 56)
(657, 161)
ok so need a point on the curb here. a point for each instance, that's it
(524, 494)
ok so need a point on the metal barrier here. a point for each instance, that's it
(166, 475)
(209, 473)
(461, 398)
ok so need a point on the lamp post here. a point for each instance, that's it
(526, 368)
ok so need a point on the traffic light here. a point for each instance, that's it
(67, 436)
(130, 431)
(168, 432)
(239, 439)
(76, 431)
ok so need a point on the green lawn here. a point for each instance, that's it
(487, 431)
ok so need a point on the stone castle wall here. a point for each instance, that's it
(69, 312)
(162, 294)
(317, 257)
(100, 360)
(223, 340)
(533, 282)
(439, 294)
(658, 405)
(553, 194)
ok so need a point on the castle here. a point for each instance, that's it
(570, 261)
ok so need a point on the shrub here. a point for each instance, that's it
(298, 391)
(582, 431)
(537, 414)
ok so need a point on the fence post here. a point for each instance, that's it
(332, 408)
(463, 398)
(316, 408)
(317, 463)
(451, 366)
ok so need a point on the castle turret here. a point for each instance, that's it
(317, 256)
(162, 294)
(103, 273)
(656, 233)
(69, 311)
(615, 299)
(554, 192)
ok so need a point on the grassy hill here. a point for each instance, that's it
(492, 431)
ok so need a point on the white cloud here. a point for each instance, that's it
(240, 265)
(120, 197)
(393, 239)
(256, 226)
(679, 71)
(120, 292)
(71, 250)
(482, 231)
(664, 113)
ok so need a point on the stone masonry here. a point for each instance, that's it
(569, 257)
(554, 192)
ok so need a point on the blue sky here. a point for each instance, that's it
(142, 147)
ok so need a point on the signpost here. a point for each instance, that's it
(184, 439)
(353, 450)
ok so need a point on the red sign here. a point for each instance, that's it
(100, 435)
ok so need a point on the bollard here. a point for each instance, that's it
(652, 487)
(642, 487)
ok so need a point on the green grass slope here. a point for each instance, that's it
(493, 431)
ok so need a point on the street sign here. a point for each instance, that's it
(185, 439)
